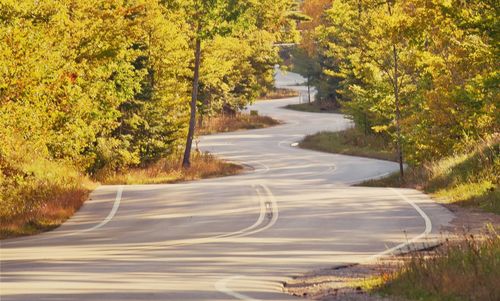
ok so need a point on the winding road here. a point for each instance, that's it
(232, 238)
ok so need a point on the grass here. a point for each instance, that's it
(467, 269)
(314, 107)
(169, 170)
(469, 180)
(350, 142)
(457, 271)
(279, 93)
(40, 197)
(220, 124)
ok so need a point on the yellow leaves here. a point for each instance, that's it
(380, 128)
(332, 73)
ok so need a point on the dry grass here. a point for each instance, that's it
(469, 179)
(51, 196)
(46, 196)
(465, 270)
(169, 170)
(279, 93)
(56, 209)
(222, 124)
(350, 142)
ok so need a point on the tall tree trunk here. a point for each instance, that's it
(309, 88)
(186, 162)
(398, 113)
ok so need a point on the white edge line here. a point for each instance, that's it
(112, 213)
(221, 286)
(427, 231)
(377, 177)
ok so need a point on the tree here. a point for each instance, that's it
(153, 123)
(423, 72)
(96, 87)
(368, 47)
(208, 18)
(306, 66)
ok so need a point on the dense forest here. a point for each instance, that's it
(91, 87)
(425, 73)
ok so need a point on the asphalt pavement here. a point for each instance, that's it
(231, 238)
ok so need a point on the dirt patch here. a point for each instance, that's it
(345, 282)
(470, 220)
(338, 283)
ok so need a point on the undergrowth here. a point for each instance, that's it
(39, 196)
(169, 170)
(467, 269)
(278, 93)
(350, 142)
(469, 179)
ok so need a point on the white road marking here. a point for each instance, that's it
(240, 233)
(427, 231)
(254, 228)
(109, 217)
(221, 286)
(274, 210)
(111, 214)
(259, 221)
(380, 176)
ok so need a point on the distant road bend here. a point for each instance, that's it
(234, 238)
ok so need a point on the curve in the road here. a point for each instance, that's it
(112, 213)
(218, 239)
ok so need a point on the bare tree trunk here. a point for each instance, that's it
(398, 114)
(309, 88)
(186, 162)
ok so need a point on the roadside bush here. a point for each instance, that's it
(38, 195)
(222, 123)
(112, 156)
(169, 170)
(467, 270)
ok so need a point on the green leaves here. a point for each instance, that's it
(97, 87)
(77, 75)
(443, 69)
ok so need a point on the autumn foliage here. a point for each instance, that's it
(424, 73)
(91, 88)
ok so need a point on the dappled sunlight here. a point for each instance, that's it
(315, 228)
(221, 239)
